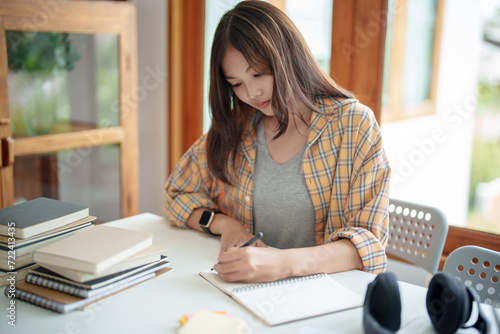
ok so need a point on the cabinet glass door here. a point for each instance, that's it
(68, 123)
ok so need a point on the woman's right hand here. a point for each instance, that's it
(231, 231)
(232, 234)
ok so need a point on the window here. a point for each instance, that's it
(411, 58)
(214, 10)
(314, 20)
(484, 187)
(433, 157)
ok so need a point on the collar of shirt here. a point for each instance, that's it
(326, 105)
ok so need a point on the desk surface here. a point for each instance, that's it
(156, 306)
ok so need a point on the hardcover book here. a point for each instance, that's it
(4, 240)
(38, 216)
(150, 254)
(23, 255)
(93, 250)
(20, 274)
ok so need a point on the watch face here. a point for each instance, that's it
(206, 217)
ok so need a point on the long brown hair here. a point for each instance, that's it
(268, 39)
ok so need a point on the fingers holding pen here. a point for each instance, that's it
(255, 238)
(240, 238)
(235, 264)
(250, 264)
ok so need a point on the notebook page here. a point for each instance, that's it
(213, 277)
(292, 299)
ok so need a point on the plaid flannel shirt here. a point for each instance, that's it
(346, 172)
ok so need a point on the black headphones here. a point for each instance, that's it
(449, 304)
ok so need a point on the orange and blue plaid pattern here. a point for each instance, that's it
(345, 168)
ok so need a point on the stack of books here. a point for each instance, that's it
(30, 225)
(86, 267)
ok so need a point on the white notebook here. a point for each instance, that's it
(289, 299)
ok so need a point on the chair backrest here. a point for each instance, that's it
(479, 268)
(416, 234)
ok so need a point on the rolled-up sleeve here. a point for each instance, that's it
(188, 187)
(367, 218)
(362, 203)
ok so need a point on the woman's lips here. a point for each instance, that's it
(264, 104)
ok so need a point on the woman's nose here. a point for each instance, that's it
(254, 91)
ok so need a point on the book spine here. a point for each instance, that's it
(58, 286)
(38, 300)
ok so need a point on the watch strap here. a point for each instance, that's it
(207, 230)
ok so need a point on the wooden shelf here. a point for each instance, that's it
(63, 127)
(68, 141)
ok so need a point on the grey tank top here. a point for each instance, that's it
(282, 206)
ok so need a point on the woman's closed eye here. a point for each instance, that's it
(238, 84)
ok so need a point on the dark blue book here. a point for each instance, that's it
(37, 216)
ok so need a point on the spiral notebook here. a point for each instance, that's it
(61, 302)
(290, 299)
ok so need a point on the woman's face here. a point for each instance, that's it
(252, 86)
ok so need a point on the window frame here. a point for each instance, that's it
(186, 26)
(395, 110)
(358, 63)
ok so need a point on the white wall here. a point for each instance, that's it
(431, 156)
(152, 49)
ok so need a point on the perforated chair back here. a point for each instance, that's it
(416, 234)
(479, 268)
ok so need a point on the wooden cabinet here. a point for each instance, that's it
(93, 135)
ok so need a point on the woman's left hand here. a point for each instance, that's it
(252, 264)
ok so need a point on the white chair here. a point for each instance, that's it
(417, 234)
(479, 268)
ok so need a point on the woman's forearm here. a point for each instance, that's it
(333, 257)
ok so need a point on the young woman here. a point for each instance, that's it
(289, 153)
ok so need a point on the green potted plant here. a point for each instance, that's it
(38, 63)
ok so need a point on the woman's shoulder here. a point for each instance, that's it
(331, 105)
(201, 142)
(199, 147)
(337, 108)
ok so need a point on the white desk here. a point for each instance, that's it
(157, 306)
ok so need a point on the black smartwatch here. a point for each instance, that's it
(207, 217)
